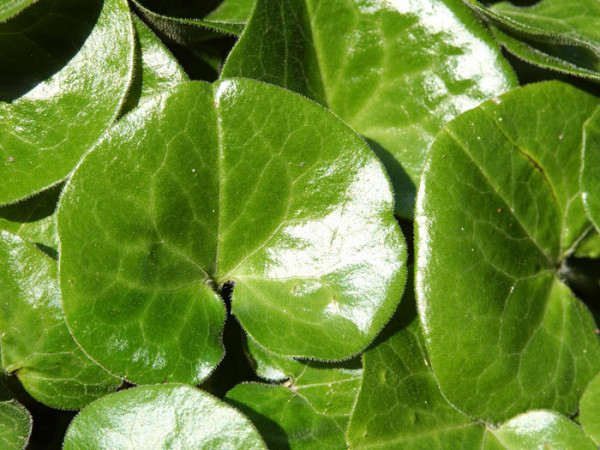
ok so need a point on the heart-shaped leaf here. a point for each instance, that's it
(162, 416)
(498, 212)
(15, 422)
(549, 34)
(35, 342)
(395, 71)
(240, 182)
(10, 8)
(589, 410)
(400, 405)
(47, 130)
(310, 409)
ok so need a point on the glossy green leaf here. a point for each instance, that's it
(9, 8)
(184, 30)
(161, 416)
(311, 409)
(46, 131)
(400, 405)
(551, 34)
(498, 212)
(395, 71)
(590, 176)
(589, 410)
(232, 11)
(538, 429)
(157, 70)
(35, 342)
(146, 250)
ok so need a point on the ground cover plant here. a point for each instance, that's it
(295, 224)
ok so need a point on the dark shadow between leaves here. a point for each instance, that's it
(39, 42)
(273, 434)
(34, 208)
(405, 191)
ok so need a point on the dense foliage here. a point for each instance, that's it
(299, 224)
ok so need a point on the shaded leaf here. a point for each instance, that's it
(395, 71)
(232, 11)
(161, 416)
(310, 410)
(499, 211)
(590, 176)
(10, 8)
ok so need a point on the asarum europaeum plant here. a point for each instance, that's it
(207, 213)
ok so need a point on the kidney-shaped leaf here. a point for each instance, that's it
(161, 416)
(498, 212)
(46, 131)
(240, 182)
(395, 71)
(35, 342)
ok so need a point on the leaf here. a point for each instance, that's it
(538, 429)
(590, 176)
(161, 416)
(157, 69)
(11, 8)
(15, 421)
(184, 30)
(33, 220)
(395, 71)
(47, 130)
(400, 405)
(310, 410)
(183, 212)
(498, 212)
(15, 425)
(549, 34)
(589, 247)
(588, 410)
(232, 11)
(35, 342)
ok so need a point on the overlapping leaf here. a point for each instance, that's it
(551, 34)
(240, 182)
(187, 24)
(395, 71)
(400, 405)
(311, 409)
(35, 342)
(499, 210)
(161, 416)
(44, 132)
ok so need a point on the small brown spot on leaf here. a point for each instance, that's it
(11, 159)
